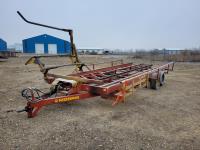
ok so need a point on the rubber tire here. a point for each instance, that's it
(162, 78)
(153, 84)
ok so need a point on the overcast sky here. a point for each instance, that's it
(107, 23)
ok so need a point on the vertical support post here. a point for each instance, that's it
(158, 74)
(173, 66)
(167, 68)
(93, 66)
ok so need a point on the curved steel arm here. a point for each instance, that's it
(43, 25)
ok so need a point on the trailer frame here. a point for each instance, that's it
(123, 80)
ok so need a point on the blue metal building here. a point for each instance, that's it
(46, 44)
(3, 45)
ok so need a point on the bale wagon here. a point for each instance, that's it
(115, 82)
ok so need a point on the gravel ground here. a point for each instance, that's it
(167, 118)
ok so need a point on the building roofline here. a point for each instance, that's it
(3, 40)
(45, 35)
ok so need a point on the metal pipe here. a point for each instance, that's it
(43, 25)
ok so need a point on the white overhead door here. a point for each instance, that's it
(52, 48)
(39, 48)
